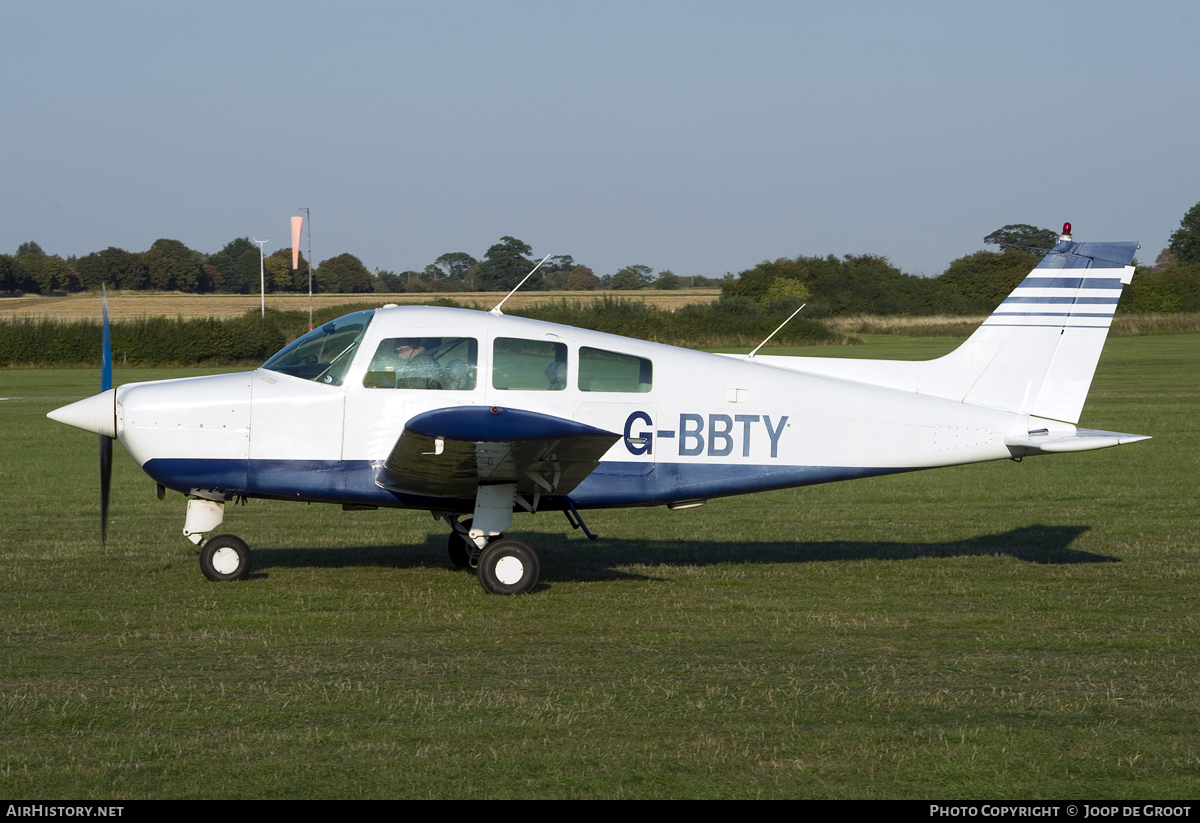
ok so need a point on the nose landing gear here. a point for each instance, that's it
(225, 557)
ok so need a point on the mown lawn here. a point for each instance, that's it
(1007, 630)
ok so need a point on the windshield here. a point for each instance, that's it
(324, 354)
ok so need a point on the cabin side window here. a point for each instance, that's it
(528, 365)
(601, 370)
(424, 363)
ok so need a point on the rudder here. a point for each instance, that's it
(1037, 352)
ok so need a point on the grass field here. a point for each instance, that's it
(1005, 630)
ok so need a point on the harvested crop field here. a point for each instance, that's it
(130, 304)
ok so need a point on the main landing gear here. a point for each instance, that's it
(504, 565)
(508, 567)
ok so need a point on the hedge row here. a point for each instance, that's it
(155, 341)
(160, 341)
(1163, 290)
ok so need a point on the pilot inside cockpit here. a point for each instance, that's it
(423, 363)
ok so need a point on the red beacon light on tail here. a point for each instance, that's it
(1066, 232)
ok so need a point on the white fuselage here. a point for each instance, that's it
(704, 425)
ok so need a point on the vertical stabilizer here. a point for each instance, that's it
(1037, 353)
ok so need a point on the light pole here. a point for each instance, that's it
(262, 277)
(308, 219)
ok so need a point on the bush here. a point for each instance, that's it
(154, 341)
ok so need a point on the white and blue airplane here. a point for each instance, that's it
(473, 416)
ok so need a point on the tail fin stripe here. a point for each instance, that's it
(1067, 255)
(1095, 301)
(1103, 326)
(1071, 283)
(1008, 315)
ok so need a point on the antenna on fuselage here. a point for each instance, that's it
(496, 311)
(750, 356)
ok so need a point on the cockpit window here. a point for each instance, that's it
(324, 354)
(434, 363)
(601, 370)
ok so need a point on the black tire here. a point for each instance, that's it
(456, 547)
(508, 567)
(225, 557)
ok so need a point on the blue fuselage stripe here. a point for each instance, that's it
(610, 485)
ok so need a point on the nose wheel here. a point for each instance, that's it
(225, 557)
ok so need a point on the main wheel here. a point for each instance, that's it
(508, 567)
(225, 557)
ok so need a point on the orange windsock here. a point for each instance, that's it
(297, 223)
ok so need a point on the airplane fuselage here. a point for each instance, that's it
(702, 425)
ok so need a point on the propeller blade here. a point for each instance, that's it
(105, 348)
(106, 447)
(105, 482)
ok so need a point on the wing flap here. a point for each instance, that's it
(450, 452)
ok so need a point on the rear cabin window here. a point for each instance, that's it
(601, 370)
(528, 365)
(424, 363)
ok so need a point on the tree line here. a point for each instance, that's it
(851, 284)
(971, 285)
(169, 265)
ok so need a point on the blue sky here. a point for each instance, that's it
(699, 137)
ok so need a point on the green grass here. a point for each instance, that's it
(994, 631)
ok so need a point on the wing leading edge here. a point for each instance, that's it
(451, 452)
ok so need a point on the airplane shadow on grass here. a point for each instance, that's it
(564, 560)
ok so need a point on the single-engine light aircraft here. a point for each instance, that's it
(474, 415)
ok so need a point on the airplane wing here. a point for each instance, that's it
(450, 452)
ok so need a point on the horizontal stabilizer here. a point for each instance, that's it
(450, 452)
(1080, 440)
